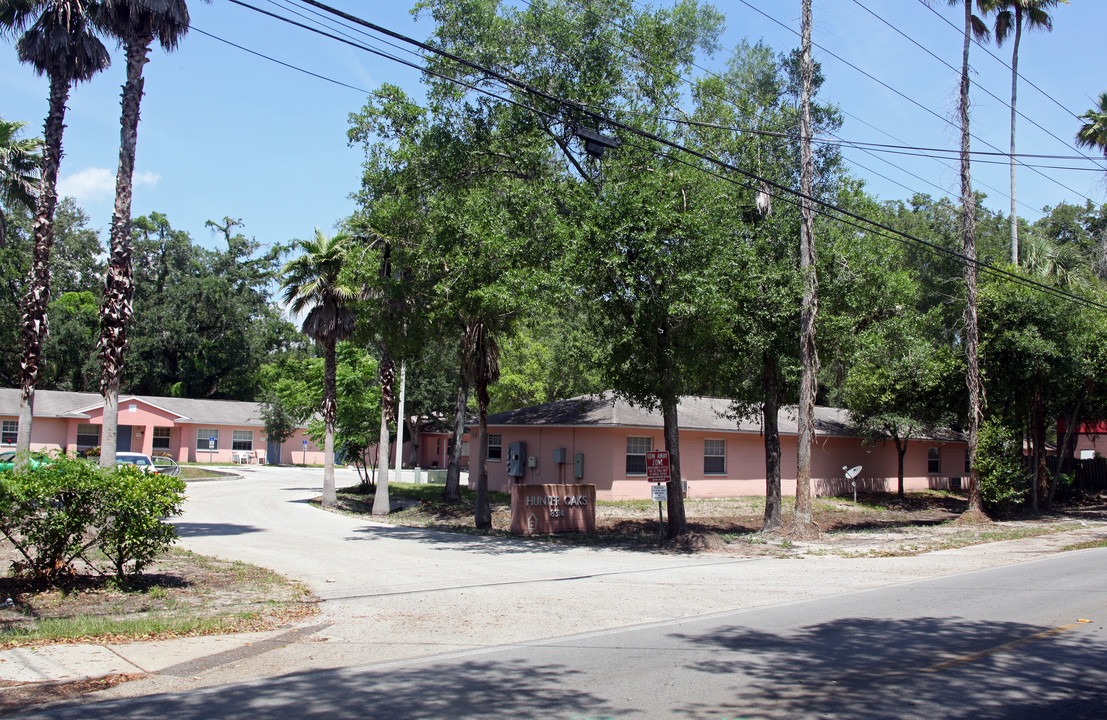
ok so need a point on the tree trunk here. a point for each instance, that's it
(482, 513)
(1065, 449)
(770, 412)
(1040, 471)
(968, 237)
(677, 524)
(400, 424)
(1014, 96)
(452, 492)
(35, 323)
(381, 503)
(330, 411)
(115, 309)
(803, 524)
(901, 450)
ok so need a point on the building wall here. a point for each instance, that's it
(140, 419)
(604, 451)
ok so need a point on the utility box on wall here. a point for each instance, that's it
(578, 466)
(559, 456)
(517, 459)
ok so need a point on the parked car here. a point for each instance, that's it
(7, 460)
(144, 461)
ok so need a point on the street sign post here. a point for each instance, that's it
(657, 466)
(304, 448)
(657, 470)
(211, 448)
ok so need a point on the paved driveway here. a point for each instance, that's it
(394, 593)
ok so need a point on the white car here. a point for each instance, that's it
(162, 464)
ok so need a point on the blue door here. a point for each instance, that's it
(273, 453)
(123, 438)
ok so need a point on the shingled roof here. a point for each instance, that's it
(55, 403)
(693, 413)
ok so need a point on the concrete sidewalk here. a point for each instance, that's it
(178, 657)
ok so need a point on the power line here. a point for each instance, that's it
(1029, 82)
(565, 103)
(909, 99)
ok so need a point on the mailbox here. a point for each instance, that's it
(517, 459)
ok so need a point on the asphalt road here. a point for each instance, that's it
(1001, 643)
(417, 624)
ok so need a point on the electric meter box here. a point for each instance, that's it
(517, 459)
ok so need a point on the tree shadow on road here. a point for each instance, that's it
(473, 689)
(194, 529)
(939, 667)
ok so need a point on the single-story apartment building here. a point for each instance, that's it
(187, 430)
(602, 440)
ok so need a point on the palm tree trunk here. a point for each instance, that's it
(770, 414)
(35, 322)
(452, 492)
(116, 308)
(381, 503)
(1014, 96)
(968, 237)
(803, 524)
(482, 514)
(330, 412)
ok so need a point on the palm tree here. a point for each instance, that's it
(314, 280)
(136, 24)
(1093, 133)
(974, 27)
(482, 367)
(1014, 13)
(20, 162)
(57, 42)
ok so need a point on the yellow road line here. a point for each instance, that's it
(999, 648)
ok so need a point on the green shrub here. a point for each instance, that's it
(68, 508)
(46, 513)
(130, 529)
(1003, 477)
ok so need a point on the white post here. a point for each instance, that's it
(400, 425)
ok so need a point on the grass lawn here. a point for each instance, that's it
(181, 594)
(878, 524)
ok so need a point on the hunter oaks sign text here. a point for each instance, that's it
(553, 508)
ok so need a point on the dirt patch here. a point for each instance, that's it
(23, 697)
(181, 594)
(876, 524)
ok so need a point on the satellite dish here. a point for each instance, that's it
(853, 472)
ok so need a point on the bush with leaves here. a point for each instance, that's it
(71, 508)
(129, 528)
(46, 512)
(1003, 476)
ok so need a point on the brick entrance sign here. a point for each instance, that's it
(542, 509)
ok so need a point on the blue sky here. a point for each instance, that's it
(225, 132)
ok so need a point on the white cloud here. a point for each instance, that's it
(97, 184)
(146, 178)
(88, 185)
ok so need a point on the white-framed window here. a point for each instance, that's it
(207, 438)
(637, 447)
(242, 440)
(495, 447)
(9, 431)
(161, 438)
(714, 457)
(88, 436)
(934, 461)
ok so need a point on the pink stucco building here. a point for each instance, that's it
(602, 441)
(187, 430)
